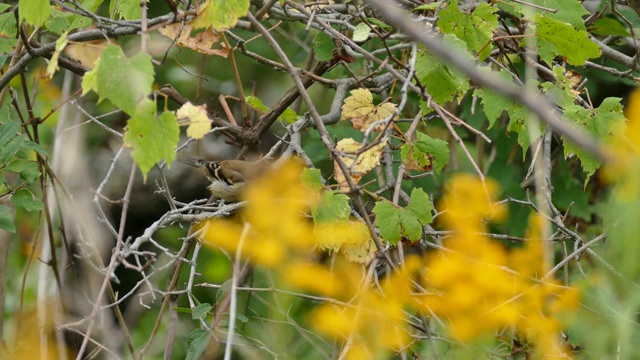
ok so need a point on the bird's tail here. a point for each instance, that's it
(193, 162)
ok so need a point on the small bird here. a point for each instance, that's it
(228, 177)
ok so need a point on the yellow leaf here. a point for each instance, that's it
(87, 52)
(358, 165)
(201, 43)
(360, 109)
(352, 237)
(199, 123)
(53, 63)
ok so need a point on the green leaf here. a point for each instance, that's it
(223, 290)
(420, 206)
(361, 32)
(7, 45)
(220, 14)
(604, 123)
(10, 149)
(608, 27)
(442, 82)
(90, 79)
(125, 9)
(569, 11)
(28, 169)
(332, 207)
(28, 144)
(34, 12)
(8, 130)
(428, 7)
(323, 46)
(6, 219)
(242, 318)
(24, 198)
(198, 341)
(557, 38)
(8, 25)
(397, 223)
(377, 23)
(312, 179)
(494, 104)
(436, 149)
(475, 29)
(124, 82)
(200, 311)
(289, 116)
(424, 153)
(61, 43)
(518, 122)
(81, 21)
(152, 137)
(256, 103)
(58, 22)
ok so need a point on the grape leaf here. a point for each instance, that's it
(358, 165)
(34, 12)
(425, 154)
(332, 207)
(603, 123)
(361, 32)
(152, 137)
(397, 223)
(360, 109)
(53, 62)
(475, 28)
(569, 11)
(124, 82)
(323, 46)
(442, 82)
(199, 122)
(8, 25)
(220, 14)
(608, 27)
(557, 38)
(125, 9)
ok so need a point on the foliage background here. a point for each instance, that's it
(470, 190)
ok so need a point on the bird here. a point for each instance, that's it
(228, 177)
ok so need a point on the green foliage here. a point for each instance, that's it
(323, 46)
(125, 9)
(34, 12)
(288, 116)
(221, 14)
(396, 223)
(332, 207)
(568, 11)
(475, 28)
(603, 122)
(198, 341)
(13, 161)
(495, 135)
(426, 153)
(124, 82)
(312, 179)
(442, 81)
(151, 137)
(556, 38)
(7, 22)
(607, 26)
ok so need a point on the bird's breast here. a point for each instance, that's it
(224, 191)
